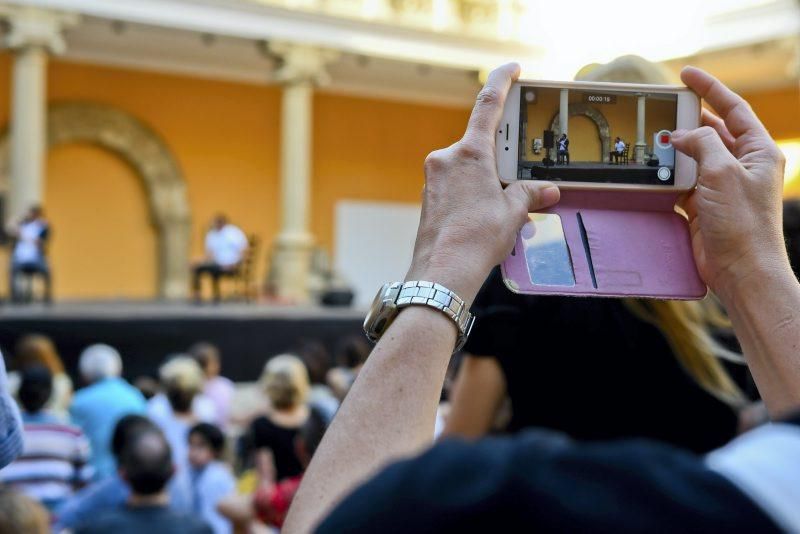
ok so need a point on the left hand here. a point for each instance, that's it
(469, 222)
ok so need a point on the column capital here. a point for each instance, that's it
(303, 63)
(31, 26)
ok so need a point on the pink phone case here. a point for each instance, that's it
(638, 246)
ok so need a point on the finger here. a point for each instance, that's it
(532, 196)
(732, 108)
(709, 119)
(688, 203)
(489, 104)
(705, 146)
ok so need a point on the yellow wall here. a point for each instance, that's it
(779, 110)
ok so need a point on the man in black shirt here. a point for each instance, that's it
(146, 465)
(544, 481)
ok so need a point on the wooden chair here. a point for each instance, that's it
(625, 155)
(246, 286)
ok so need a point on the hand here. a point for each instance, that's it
(735, 212)
(469, 222)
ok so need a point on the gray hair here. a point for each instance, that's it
(99, 361)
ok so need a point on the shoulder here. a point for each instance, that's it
(102, 522)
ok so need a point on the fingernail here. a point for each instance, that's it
(678, 133)
(550, 195)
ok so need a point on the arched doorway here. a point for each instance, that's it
(578, 109)
(130, 139)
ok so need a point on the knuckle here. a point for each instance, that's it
(470, 150)
(488, 95)
(435, 162)
(706, 132)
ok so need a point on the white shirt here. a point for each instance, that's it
(620, 146)
(562, 145)
(27, 249)
(226, 245)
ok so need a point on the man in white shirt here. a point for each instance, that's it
(619, 149)
(28, 255)
(225, 246)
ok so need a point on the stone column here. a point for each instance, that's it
(33, 34)
(302, 70)
(641, 142)
(563, 111)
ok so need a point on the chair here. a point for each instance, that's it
(23, 282)
(246, 287)
(624, 156)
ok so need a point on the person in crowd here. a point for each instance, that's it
(54, 460)
(270, 502)
(113, 492)
(29, 254)
(218, 389)
(147, 386)
(318, 364)
(146, 466)
(350, 356)
(563, 149)
(468, 225)
(10, 421)
(619, 149)
(211, 478)
(19, 514)
(34, 350)
(285, 381)
(226, 246)
(107, 397)
(159, 407)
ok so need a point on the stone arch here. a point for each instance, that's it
(579, 108)
(129, 138)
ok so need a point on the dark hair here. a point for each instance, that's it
(312, 431)
(316, 359)
(212, 435)
(203, 352)
(352, 351)
(147, 462)
(791, 232)
(35, 388)
(126, 429)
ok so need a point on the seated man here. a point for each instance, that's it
(225, 246)
(619, 150)
(30, 237)
(538, 480)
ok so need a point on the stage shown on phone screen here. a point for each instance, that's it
(597, 136)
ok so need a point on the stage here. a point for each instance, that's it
(588, 171)
(146, 332)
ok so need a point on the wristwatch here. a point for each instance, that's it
(395, 296)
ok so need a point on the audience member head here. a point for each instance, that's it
(146, 463)
(126, 429)
(220, 221)
(20, 514)
(36, 349)
(285, 381)
(310, 436)
(791, 231)
(316, 359)
(98, 362)
(206, 444)
(207, 357)
(352, 352)
(147, 386)
(35, 388)
(182, 379)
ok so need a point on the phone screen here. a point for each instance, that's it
(610, 136)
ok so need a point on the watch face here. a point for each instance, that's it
(371, 321)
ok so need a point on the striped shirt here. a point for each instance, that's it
(53, 463)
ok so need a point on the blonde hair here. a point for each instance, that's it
(285, 381)
(182, 379)
(19, 513)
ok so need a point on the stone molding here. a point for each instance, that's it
(579, 108)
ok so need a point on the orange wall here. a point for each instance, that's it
(779, 110)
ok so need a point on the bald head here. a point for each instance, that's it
(146, 462)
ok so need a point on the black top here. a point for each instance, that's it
(266, 434)
(590, 368)
(149, 519)
(540, 481)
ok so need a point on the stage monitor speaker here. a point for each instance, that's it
(549, 139)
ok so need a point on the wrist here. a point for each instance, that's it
(752, 278)
(458, 276)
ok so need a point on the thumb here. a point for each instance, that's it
(706, 147)
(533, 195)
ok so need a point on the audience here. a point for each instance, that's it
(146, 465)
(211, 478)
(159, 406)
(113, 491)
(10, 421)
(34, 350)
(53, 463)
(218, 389)
(20, 514)
(318, 363)
(351, 354)
(97, 407)
(285, 381)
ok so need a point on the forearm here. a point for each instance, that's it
(389, 413)
(765, 311)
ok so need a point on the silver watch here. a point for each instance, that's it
(395, 296)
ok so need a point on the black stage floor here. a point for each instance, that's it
(146, 332)
(585, 171)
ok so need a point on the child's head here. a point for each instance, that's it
(206, 443)
(35, 388)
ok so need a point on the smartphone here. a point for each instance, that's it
(585, 135)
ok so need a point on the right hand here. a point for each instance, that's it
(735, 213)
